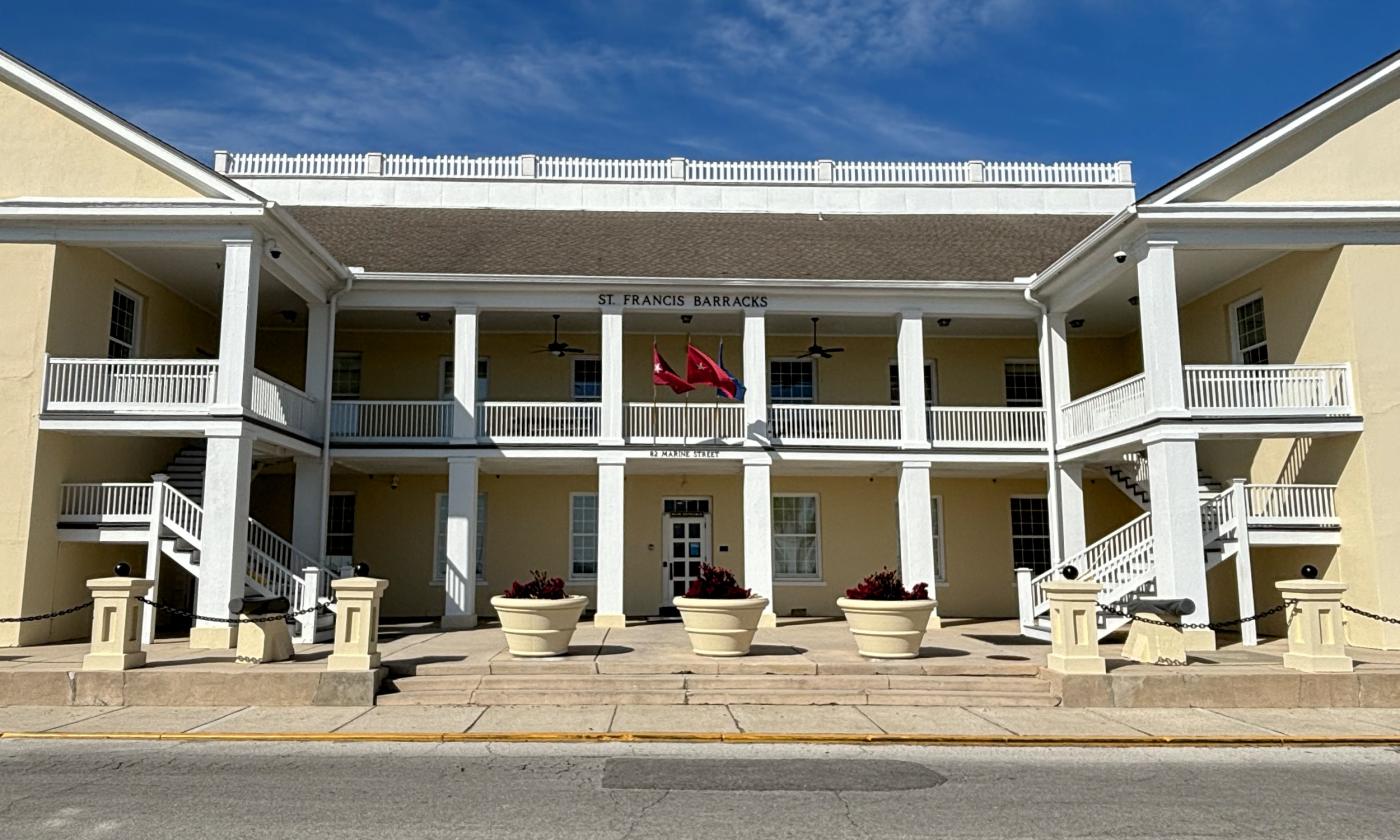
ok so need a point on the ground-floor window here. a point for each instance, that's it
(440, 557)
(340, 525)
(1030, 533)
(796, 549)
(583, 536)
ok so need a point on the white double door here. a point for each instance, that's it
(685, 544)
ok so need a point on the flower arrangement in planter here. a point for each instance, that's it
(720, 616)
(887, 620)
(538, 616)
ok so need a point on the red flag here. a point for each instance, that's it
(662, 374)
(700, 369)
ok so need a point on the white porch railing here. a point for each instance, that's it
(391, 420)
(106, 502)
(1307, 505)
(537, 422)
(284, 405)
(129, 385)
(1269, 389)
(1106, 410)
(835, 424)
(1012, 428)
(685, 422)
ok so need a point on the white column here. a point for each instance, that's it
(916, 530)
(1055, 359)
(755, 377)
(464, 331)
(1052, 353)
(912, 409)
(1161, 333)
(1244, 567)
(1070, 478)
(153, 556)
(238, 324)
(612, 471)
(758, 532)
(223, 556)
(308, 506)
(459, 609)
(319, 324)
(610, 430)
(1178, 545)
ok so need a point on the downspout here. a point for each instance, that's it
(1052, 435)
(331, 303)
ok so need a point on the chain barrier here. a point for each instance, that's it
(47, 615)
(1373, 616)
(260, 619)
(1196, 625)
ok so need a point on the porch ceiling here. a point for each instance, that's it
(196, 274)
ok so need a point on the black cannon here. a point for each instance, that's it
(1164, 607)
(254, 605)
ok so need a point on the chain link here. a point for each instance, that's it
(1202, 625)
(47, 615)
(261, 619)
(1374, 616)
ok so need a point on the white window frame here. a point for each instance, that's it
(931, 389)
(350, 533)
(439, 577)
(817, 576)
(346, 354)
(1050, 537)
(138, 312)
(583, 578)
(483, 374)
(940, 566)
(573, 376)
(816, 379)
(1236, 351)
(1006, 397)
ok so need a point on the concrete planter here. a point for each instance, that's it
(721, 626)
(887, 629)
(537, 626)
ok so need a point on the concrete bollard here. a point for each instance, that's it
(1074, 630)
(116, 623)
(356, 623)
(1316, 637)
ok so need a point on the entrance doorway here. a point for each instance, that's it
(685, 541)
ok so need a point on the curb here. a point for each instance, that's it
(734, 738)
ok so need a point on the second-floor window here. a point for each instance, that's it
(345, 376)
(930, 383)
(125, 327)
(792, 381)
(588, 378)
(483, 370)
(1022, 377)
(1247, 328)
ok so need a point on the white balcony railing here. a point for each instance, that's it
(105, 503)
(1269, 389)
(835, 424)
(284, 405)
(391, 420)
(129, 385)
(537, 422)
(1306, 505)
(1107, 410)
(993, 427)
(685, 422)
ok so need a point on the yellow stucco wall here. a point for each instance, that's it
(44, 153)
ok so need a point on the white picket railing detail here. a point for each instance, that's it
(1110, 409)
(182, 516)
(899, 172)
(603, 169)
(989, 426)
(114, 502)
(835, 424)
(129, 384)
(685, 422)
(391, 420)
(1269, 389)
(449, 166)
(1112, 561)
(505, 422)
(1293, 504)
(287, 406)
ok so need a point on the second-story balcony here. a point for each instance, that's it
(116, 388)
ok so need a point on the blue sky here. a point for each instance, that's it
(1164, 84)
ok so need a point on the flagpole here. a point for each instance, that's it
(685, 438)
(655, 411)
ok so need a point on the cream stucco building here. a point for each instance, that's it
(244, 376)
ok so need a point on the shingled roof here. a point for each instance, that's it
(952, 247)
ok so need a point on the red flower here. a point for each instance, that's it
(887, 585)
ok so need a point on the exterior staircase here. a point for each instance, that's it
(1130, 475)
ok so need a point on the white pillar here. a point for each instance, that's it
(319, 324)
(153, 556)
(1055, 359)
(912, 409)
(1178, 545)
(459, 609)
(1244, 567)
(223, 556)
(464, 332)
(916, 531)
(1052, 354)
(1070, 478)
(238, 324)
(612, 471)
(1161, 333)
(610, 428)
(755, 377)
(758, 533)
(309, 506)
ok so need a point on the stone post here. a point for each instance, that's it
(1074, 631)
(116, 624)
(1316, 638)
(356, 624)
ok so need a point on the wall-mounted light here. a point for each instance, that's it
(1133, 301)
(272, 249)
(945, 322)
(423, 316)
(686, 319)
(394, 483)
(1076, 323)
(289, 315)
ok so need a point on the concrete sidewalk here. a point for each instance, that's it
(950, 723)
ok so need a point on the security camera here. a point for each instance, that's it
(275, 253)
(1120, 256)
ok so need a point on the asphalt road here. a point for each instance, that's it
(81, 789)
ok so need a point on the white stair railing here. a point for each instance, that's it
(182, 516)
(1117, 560)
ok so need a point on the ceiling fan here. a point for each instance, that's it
(557, 347)
(816, 350)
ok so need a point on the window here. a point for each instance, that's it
(440, 557)
(1022, 379)
(125, 328)
(1030, 533)
(483, 369)
(583, 536)
(345, 376)
(930, 383)
(340, 525)
(940, 572)
(1247, 328)
(588, 378)
(796, 553)
(792, 381)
